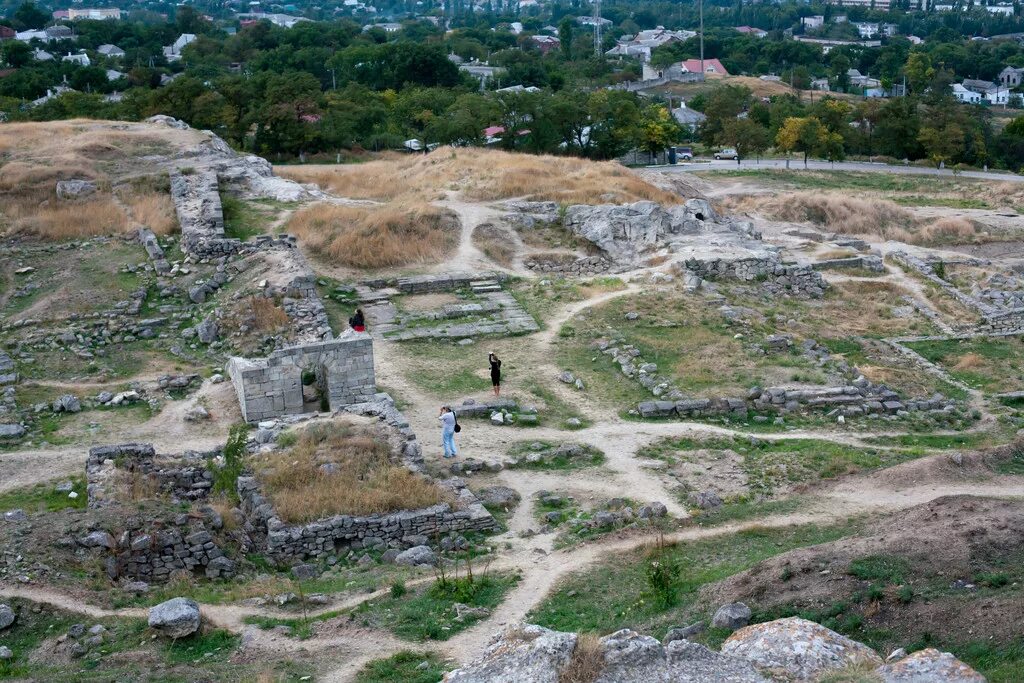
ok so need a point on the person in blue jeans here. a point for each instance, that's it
(447, 418)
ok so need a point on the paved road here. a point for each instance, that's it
(862, 166)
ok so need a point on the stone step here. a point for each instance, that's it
(484, 289)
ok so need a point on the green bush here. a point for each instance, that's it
(225, 478)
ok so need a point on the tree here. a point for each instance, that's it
(725, 103)
(805, 135)
(1010, 144)
(919, 71)
(746, 136)
(15, 53)
(942, 143)
(565, 36)
(657, 130)
(29, 16)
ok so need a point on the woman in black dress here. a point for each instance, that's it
(495, 372)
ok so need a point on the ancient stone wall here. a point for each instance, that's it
(183, 477)
(794, 279)
(271, 387)
(197, 203)
(336, 535)
(152, 548)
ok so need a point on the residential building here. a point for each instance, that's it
(50, 94)
(387, 27)
(42, 55)
(1005, 10)
(751, 31)
(32, 34)
(114, 74)
(712, 67)
(546, 43)
(173, 52)
(815, 21)
(519, 89)
(283, 20)
(109, 50)
(820, 84)
(979, 86)
(590, 21)
(80, 58)
(59, 32)
(827, 44)
(688, 118)
(642, 44)
(867, 29)
(1011, 77)
(481, 71)
(964, 95)
(870, 4)
(96, 14)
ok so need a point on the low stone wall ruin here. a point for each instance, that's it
(149, 549)
(183, 477)
(196, 198)
(271, 387)
(867, 262)
(785, 278)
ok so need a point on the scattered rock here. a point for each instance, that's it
(17, 515)
(925, 666)
(415, 556)
(68, 403)
(705, 500)
(797, 648)
(5, 653)
(304, 572)
(197, 413)
(499, 496)
(684, 632)
(176, 618)
(732, 616)
(75, 188)
(7, 616)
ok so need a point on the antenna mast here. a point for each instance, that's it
(597, 29)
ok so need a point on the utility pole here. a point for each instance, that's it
(701, 10)
(597, 30)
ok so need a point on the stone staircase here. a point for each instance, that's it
(484, 286)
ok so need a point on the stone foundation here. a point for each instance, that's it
(271, 387)
(197, 203)
(788, 278)
(183, 477)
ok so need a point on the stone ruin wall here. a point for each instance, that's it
(149, 549)
(338, 534)
(272, 387)
(994, 319)
(794, 279)
(196, 198)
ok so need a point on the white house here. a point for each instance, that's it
(109, 50)
(1005, 10)
(1011, 77)
(173, 52)
(964, 95)
(867, 29)
(642, 44)
(816, 21)
(114, 74)
(81, 59)
(42, 55)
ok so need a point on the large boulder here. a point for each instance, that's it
(928, 666)
(499, 496)
(521, 653)
(797, 649)
(7, 616)
(208, 331)
(176, 618)
(68, 403)
(75, 189)
(11, 431)
(732, 616)
(625, 232)
(694, 663)
(417, 555)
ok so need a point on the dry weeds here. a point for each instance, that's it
(155, 211)
(267, 314)
(362, 480)
(483, 175)
(54, 220)
(496, 242)
(377, 237)
(586, 663)
(878, 218)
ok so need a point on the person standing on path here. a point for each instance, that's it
(495, 372)
(448, 422)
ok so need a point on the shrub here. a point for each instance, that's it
(225, 477)
(398, 589)
(663, 572)
(586, 663)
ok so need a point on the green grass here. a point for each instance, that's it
(556, 411)
(244, 219)
(770, 464)
(610, 595)
(933, 441)
(748, 508)
(427, 613)
(43, 498)
(403, 667)
(888, 569)
(1015, 463)
(592, 457)
(203, 647)
(991, 364)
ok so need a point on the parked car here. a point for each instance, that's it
(727, 153)
(684, 153)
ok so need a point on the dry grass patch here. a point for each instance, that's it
(54, 220)
(377, 237)
(484, 175)
(586, 663)
(496, 242)
(849, 215)
(341, 469)
(155, 211)
(267, 315)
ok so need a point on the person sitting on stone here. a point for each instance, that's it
(357, 322)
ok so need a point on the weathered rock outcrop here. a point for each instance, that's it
(176, 618)
(786, 649)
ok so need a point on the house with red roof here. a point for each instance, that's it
(712, 67)
(751, 31)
